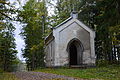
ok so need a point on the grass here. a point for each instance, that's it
(104, 73)
(7, 76)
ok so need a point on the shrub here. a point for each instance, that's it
(102, 63)
(1, 71)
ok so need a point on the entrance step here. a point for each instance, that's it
(81, 66)
(78, 66)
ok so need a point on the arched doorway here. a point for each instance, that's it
(75, 51)
(73, 54)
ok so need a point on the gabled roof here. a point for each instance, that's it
(74, 15)
(63, 22)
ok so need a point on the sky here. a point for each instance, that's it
(18, 39)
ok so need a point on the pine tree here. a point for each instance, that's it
(7, 41)
(34, 16)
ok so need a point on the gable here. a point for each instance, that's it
(71, 21)
(74, 30)
(73, 26)
(67, 23)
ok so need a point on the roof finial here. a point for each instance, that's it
(74, 13)
(73, 7)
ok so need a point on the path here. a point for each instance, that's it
(41, 76)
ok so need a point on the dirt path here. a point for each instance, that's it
(41, 76)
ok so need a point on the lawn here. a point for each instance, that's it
(104, 73)
(7, 76)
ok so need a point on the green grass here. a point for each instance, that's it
(105, 73)
(7, 76)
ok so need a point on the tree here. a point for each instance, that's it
(62, 10)
(33, 16)
(7, 44)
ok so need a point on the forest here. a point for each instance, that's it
(39, 16)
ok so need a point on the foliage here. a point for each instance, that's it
(33, 15)
(106, 73)
(115, 34)
(62, 10)
(7, 44)
(107, 15)
(102, 63)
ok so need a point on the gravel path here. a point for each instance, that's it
(42, 76)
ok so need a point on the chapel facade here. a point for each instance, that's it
(70, 43)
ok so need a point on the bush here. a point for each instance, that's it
(102, 63)
(1, 71)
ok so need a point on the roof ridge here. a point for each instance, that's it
(63, 22)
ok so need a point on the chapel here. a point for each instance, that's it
(71, 43)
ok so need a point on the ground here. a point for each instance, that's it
(7, 76)
(111, 72)
(98, 73)
(42, 76)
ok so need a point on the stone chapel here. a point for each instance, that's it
(71, 43)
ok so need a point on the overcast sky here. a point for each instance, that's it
(18, 39)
